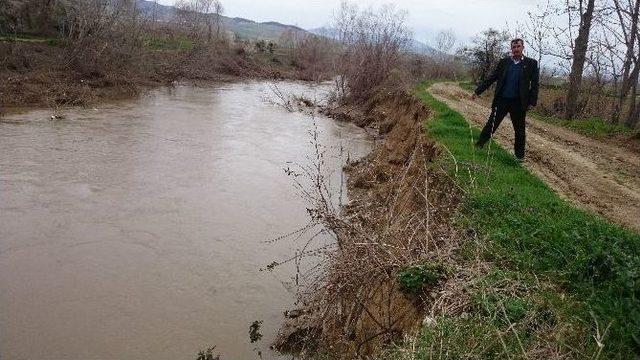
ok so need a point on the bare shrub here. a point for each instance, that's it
(373, 42)
(103, 38)
(440, 67)
(314, 57)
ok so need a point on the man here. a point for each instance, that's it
(516, 92)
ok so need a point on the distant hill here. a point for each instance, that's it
(414, 46)
(243, 28)
(422, 48)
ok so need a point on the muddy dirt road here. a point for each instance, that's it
(597, 176)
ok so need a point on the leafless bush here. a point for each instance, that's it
(103, 38)
(314, 57)
(372, 44)
(442, 67)
(203, 18)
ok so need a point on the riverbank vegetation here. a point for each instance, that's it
(58, 53)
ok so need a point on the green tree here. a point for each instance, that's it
(485, 52)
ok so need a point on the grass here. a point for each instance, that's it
(530, 233)
(594, 127)
(30, 39)
(159, 44)
(413, 279)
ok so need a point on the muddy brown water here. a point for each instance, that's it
(136, 230)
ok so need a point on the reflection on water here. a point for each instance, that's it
(136, 230)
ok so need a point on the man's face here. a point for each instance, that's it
(516, 49)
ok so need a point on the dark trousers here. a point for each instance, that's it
(514, 108)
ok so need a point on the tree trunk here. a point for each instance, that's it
(579, 56)
(630, 42)
(218, 26)
(634, 108)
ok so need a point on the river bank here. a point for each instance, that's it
(45, 74)
(395, 232)
(441, 253)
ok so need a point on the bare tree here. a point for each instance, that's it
(196, 15)
(537, 30)
(445, 40)
(579, 56)
(628, 20)
(372, 44)
(444, 43)
(218, 10)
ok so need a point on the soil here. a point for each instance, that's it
(598, 176)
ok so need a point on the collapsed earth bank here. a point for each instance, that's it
(394, 238)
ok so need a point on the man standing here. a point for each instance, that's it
(516, 92)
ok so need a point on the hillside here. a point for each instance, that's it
(415, 46)
(242, 28)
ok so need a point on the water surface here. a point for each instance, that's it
(136, 230)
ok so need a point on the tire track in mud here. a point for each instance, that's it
(600, 177)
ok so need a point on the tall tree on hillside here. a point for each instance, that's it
(579, 56)
(218, 10)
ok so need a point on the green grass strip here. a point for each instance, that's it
(529, 229)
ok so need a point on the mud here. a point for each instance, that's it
(601, 177)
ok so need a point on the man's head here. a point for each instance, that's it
(517, 46)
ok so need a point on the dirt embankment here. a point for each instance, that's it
(37, 74)
(398, 217)
(599, 176)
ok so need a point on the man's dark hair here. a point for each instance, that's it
(516, 40)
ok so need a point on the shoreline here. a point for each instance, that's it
(37, 76)
(398, 215)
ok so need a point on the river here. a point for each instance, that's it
(136, 229)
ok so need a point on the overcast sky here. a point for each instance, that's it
(426, 17)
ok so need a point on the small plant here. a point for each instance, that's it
(261, 46)
(414, 278)
(254, 331)
(207, 354)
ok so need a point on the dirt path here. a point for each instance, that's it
(601, 177)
